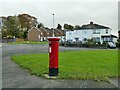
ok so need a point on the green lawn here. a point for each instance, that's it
(26, 42)
(90, 64)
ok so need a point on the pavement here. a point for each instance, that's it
(14, 76)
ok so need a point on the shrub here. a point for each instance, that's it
(98, 42)
(118, 44)
(62, 43)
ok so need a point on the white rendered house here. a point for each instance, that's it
(98, 32)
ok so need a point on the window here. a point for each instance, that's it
(106, 31)
(96, 39)
(106, 39)
(76, 39)
(70, 33)
(41, 33)
(96, 31)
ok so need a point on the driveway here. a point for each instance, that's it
(14, 76)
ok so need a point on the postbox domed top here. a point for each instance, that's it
(53, 39)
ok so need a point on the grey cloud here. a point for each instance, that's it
(79, 13)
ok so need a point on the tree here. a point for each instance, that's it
(27, 21)
(17, 26)
(59, 27)
(66, 26)
(77, 27)
(40, 25)
(10, 27)
(23, 34)
(3, 27)
(71, 27)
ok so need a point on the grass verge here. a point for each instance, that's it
(90, 64)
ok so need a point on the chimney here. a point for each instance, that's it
(91, 23)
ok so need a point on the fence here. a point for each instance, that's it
(5, 40)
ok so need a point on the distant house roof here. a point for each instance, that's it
(93, 26)
(34, 28)
(57, 32)
(44, 31)
(48, 32)
(113, 36)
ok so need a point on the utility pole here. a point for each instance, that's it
(53, 25)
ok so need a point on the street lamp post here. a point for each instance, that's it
(53, 25)
(53, 53)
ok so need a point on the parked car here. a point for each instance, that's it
(69, 41)
(111, 45)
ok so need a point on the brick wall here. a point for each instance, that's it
(19, 40)
(33, 35)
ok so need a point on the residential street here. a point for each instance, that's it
(14, 76)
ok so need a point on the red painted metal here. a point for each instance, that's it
(53, 52)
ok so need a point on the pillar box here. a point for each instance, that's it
(53, 56)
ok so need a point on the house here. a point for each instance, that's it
(42, 34)
(60, 34)
(34, 34)
(57, 32)
(107, 38)
(98, 33)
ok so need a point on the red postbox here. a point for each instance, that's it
(53, 56)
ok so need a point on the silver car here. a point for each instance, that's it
(111, 45)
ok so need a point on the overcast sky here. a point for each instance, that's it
(73, 12)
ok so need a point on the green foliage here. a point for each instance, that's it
(68, 27)
(40, 25)
(10, 27)
(90, 41)
(71, 27)
(17, 26)
(59, 27)
(27, 21)
(86, 64)
(86, 45)
(77, 27)
(118, 44)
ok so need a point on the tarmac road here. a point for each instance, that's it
(14, 76)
